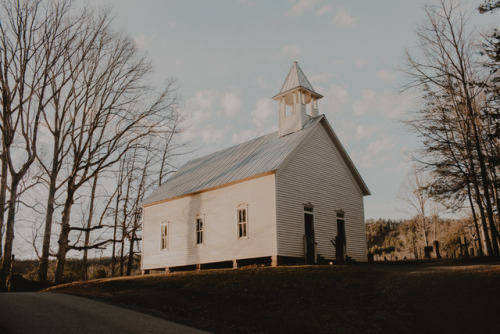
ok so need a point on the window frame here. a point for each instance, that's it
(164, 237)
(242, 207)
(199, 217)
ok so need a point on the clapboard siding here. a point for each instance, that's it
(219, 209)
(316, 173)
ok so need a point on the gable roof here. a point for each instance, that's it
(296, 78)
(255, 157)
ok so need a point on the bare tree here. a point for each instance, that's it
(447, 69)
(416, 196)
(112, 110)
(32, 46)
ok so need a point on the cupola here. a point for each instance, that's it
(297, 101)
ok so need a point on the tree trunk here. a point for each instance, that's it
(87, 231)
(484, 226)
(9, 234)
(131, 252)
(476, 225)
(122, 250)
(424, 222)
(3, 197)
(113, 253)
(64, 234)
(47, 234)
(115, 226)
(44, 260)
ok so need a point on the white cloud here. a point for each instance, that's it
(264, 83)
(338, 94)
(320, 78)
(376, 152)
(383, 143)
(211, 135)
(198, 112)
(361, 106)
(402, 103)
(264, 110)
(360, 62)
(386, 75)
(289, 51)
(204, 99)
(363, 131)
(387, 103)
(335, 100)
(143, 41)
(344, 19)
(231, 104)
(302, 6)
(323, 10)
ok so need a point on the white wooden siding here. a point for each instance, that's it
(317, 174)
(221, 241)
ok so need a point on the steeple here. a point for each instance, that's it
(297, 101)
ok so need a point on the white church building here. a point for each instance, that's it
(292, 196)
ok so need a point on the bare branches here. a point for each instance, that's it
(447, 68)
(78, 104)
(32, 48)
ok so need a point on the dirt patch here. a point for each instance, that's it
(339, 299)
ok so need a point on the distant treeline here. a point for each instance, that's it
(97, 268)
(403, 239)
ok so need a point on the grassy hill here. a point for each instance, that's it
(438, 297)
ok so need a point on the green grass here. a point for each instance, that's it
(306, 299)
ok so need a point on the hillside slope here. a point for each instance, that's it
(340, 299)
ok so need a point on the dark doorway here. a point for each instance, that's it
(340, 240)
(310, 255)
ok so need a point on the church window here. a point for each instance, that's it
(164, 236)
(242, 220)
(200, 229)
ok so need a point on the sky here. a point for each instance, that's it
(230, 57)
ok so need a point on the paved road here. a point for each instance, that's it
(37, 312)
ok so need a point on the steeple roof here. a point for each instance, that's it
(296, 78)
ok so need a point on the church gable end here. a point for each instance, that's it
(317, 174)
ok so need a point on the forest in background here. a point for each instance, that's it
(402, 239)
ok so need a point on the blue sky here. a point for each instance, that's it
(231, 57)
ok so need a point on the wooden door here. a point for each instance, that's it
(340, 240)
(309, 238)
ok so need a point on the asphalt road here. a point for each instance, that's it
(38, 312)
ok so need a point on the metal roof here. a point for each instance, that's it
(296, 78)
(254, 157)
